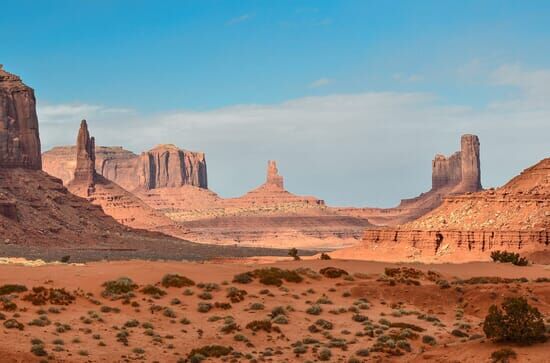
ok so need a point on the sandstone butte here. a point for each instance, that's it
(164, 166)
(115, 201)
(35, 208)
(456, 174)
(514, 217)
(40, 218)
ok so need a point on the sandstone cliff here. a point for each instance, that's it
(163, 166)
(19, 140)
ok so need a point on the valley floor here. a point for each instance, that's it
(371, 313)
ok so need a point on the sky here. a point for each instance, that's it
(352, 98)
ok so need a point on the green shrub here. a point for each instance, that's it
(428, 339)
(518, 323)
(153, 291)
(118, 288)
(333, 272)
(293, 252)
(175, 280)
(509, 257)
(243, 278)
(213, 351)
(503, 355)
(12, 288)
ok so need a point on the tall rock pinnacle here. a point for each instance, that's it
(273, 177)
(85, 157)
(460, 170)
(19, 139)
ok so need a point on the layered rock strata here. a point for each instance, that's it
(19, 140)
(515, 217)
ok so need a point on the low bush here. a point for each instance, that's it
(333, 272)
(175, 280)
(517, 322)
(325, 256)
(211, 351)
(509, 257)
(119, 288)
(12, 288)
(503, 355)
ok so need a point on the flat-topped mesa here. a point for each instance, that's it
(273, 177)
(461, 170)
(167, 166)
(19, 139)
(85, 157)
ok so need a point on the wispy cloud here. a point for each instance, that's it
(239, 19)
(320, 83)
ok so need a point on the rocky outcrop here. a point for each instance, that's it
(456, 174)
(461, 170)
(165, 166)
(273, 177)
(19, 140)
(85, 157)
(465, 227)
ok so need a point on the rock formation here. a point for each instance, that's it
(19, 140)
(456, 174)
(467, 227)
(85, 157)
(165, 166)
(273, 177)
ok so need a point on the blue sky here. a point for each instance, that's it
(247, 81)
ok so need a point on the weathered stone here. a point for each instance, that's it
(19, 140)
(85, 156)
(163, 166)
(273, 177)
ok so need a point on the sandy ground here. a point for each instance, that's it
(93, 333)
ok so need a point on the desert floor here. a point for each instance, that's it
(343, 316)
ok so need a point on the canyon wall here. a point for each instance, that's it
(163, 166)
(19, 139)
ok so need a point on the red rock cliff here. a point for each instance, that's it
(19, 140)
(85, 156)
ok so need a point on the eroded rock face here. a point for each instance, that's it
(19, 140)
(462, 169)
(164, 166)
(85, 156)
(273, 177)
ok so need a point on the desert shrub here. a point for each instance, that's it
(314, 310)
(12, 288)
(265, 325)
(38, 350)
(236, 295)
(65, 259)
(257, 306)
(293, 252)
(169, 313)
(153, 291)
(407, 326)
(41, 296)
(210, 286)
(205, 295)
(459, 333)
(325, 256)
(333, 272)
(204, 307)
(275, 276)
(325, 354)
(518, 323)
(13, 324)
(491, 280)
(119, 288)
(243, 278)
(324, 324)
(503, 355)
(131, 323)
(363, 352)
(278, 310)
(175, 280)
(428, 339)
(222, 305)
(509, 257)
(211, 351)
(280, 319)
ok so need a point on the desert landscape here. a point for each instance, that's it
(118, 244)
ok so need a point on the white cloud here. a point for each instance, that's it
(320, 83)
(363, 148)
(240, 19)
